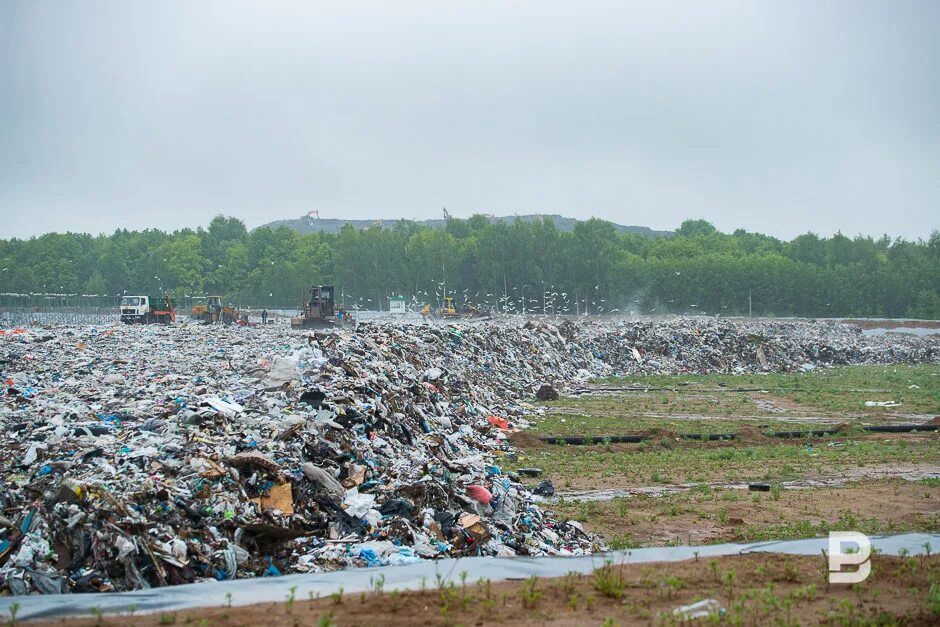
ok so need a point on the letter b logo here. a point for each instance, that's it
(838, 558)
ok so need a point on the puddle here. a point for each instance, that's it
(606, 494)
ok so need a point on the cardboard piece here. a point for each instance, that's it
(281, 497)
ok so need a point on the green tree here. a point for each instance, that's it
(95, 285)
(698, 269)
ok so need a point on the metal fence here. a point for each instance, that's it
(20, 310)
(31, 309)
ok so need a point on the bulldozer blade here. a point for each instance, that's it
(312, 323)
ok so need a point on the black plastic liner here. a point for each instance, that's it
(712, 437)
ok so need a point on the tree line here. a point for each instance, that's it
(505, 266)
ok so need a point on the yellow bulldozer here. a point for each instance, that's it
(319, 310)
(213, 311)
(448, 309)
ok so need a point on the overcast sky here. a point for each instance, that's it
(780, 117)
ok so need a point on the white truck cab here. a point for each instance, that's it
(147, 310)
(134, 308)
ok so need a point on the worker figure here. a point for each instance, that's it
(264, 316)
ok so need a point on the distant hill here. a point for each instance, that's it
(310, 224)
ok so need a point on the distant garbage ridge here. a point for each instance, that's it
(741, 345)
(139, 457)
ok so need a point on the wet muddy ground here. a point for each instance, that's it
(705, 515)
(669, 489)
(906, 472)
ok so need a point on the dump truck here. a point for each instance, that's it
(319, 311)
(147, 310)
(214, 311)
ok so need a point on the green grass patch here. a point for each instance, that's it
(841, 389)
(773, 462)
(715, 403)
(592, 424)
(848, 521)
(685, 401)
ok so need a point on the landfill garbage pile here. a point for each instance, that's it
(136, 457)
(738, 346)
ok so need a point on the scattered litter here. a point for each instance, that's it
(545, 488)
(499, 423)
(164, 455)
(702, 609)
(480, 494)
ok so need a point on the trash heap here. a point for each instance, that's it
(738, 346)
(135, 457)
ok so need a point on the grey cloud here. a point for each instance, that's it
(777, 117)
